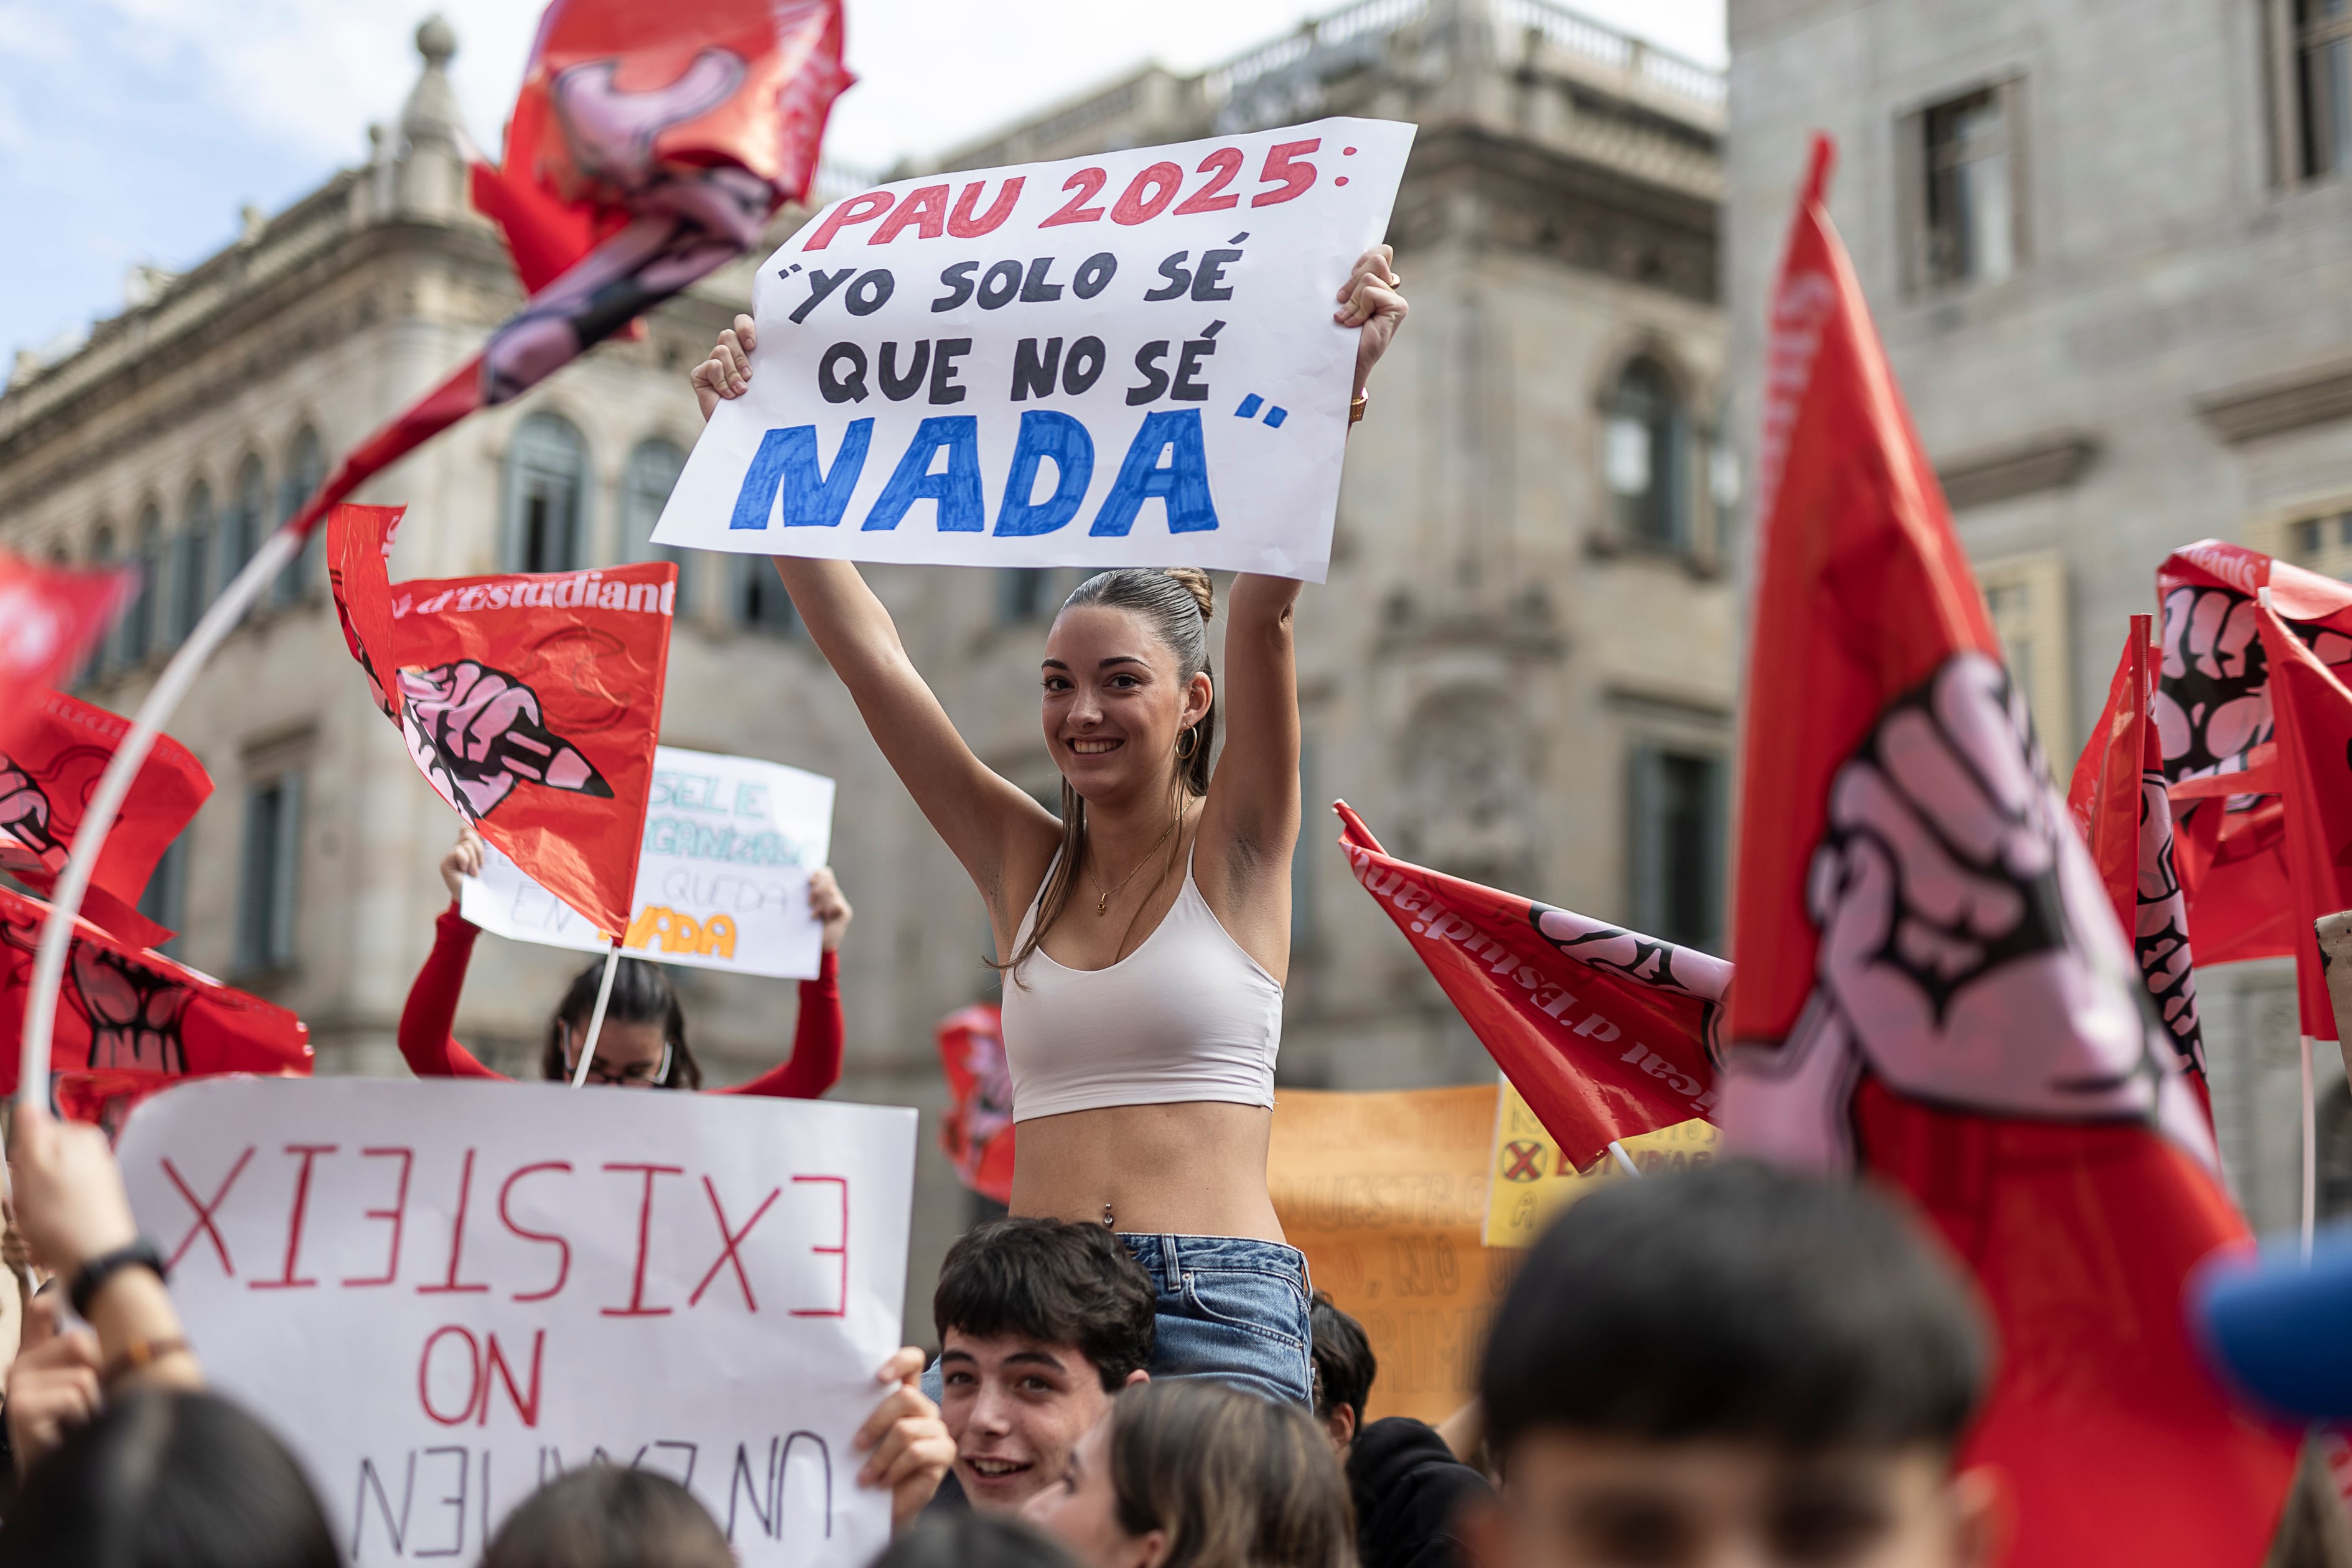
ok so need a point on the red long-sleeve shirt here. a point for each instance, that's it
(424, 1039)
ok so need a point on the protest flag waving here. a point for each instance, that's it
(50, 619)
(2213, 715)
(532, 702)
(2311, 715)
(1605, 1033)
(2119, 802)
(46, 778)
(1933, 988)
(976, 1134)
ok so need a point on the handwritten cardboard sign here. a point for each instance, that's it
(1532, 1179)
(1121, 360)
(443, 1294)
(722, 872)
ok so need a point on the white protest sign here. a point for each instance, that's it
(722, 872)
(1127, 360)
(444, 1294)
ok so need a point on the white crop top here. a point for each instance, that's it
(1187, 1015)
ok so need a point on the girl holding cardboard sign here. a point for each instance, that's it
(643, 1044)
(1149, 925)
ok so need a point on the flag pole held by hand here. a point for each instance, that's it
(596, 1020)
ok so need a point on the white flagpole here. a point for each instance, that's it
(596, 1020)
(1625, 1161)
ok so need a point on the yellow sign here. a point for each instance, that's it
(1386, 1195)
(1531, 1180)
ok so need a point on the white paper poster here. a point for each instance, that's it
(722, 873)
(444, 1294)
(1121, 360)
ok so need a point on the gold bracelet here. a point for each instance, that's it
(141, 1353)
(1356, 408)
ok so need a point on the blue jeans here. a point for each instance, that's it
(1231, 1309)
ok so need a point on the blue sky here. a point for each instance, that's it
(133, 131)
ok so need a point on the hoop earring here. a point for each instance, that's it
(1188, 741)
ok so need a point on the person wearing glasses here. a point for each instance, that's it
(643, 1043)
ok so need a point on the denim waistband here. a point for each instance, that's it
(1167, 1257)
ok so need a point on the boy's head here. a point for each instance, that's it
(1344, 1368)
(1040, 1323)
(1735, 1364)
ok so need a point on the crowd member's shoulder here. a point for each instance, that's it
(1409, 1490)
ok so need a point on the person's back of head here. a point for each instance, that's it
(1060, 1283)
(1799, 1336)
(1344, 1368)
(168, 1480)
(608, 1517)
(1234, 1480)
(965, 1539)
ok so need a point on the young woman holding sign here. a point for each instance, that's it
(1149, 926)
(643, 1044)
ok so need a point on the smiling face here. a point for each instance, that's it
(1115, 699)
(1015, 1407)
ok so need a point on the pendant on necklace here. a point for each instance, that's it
(1102, 905)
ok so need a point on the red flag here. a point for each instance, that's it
(125, 1011)
(2213, 714)
(46, 781)
(976, 1134)
(649, 146)
(50, 619)
(531, 704)
(2119, 802)
(1934, 989)
(2312, 719)
(1604, 1032)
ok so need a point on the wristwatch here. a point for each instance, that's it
(87, 1280)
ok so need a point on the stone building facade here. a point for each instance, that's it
(2110, 250)
(1521, 669)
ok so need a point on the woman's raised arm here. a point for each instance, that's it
(984, 818)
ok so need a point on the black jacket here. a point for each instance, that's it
(1408, 1487)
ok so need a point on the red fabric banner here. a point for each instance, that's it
(530, 702)
(46, 781)
(2312, 719)
(1606, 1033)
(1933, 988)
(2119, 802)
(2213, 716)
(976, 1134)
(50, 619)
(125, 1011)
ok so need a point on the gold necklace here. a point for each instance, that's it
(1102, 905)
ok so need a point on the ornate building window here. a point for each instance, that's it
(2027, 597)
(109, 652)
(1962, 169)
(165, 899)
(1676, 799)
(191, 585)
(760, 603)
(2313, 64)
(646, 483)
(135, 635)
(305, 470)
(1645, 457)
(245, 517)
(266, 893)
(547, 481)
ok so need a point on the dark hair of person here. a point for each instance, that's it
(1178, 605)
(642, 994)
(1057, 1282)
(965, 1539)
(166, 1479)
(1235, 1479)
(1734, 1303)
(608, 1517)
(1344, 1363)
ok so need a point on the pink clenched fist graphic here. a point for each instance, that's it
(476, 732)
(24, 817)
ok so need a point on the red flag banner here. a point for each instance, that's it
(2213, 717)
(976, 1134)
(126, 1011)
(1933, 985)
(530, 702)
(46, 781)
(1605, 1033)
(2312, 723)
(2119, 802)
(50, 619)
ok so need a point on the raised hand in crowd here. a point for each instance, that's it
(53, 1384)
(1370, 300)
(830, 906)
(464, 859)
(906, 1447)
(728, 372)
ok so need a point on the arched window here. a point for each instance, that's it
(246, 515)
(547, 478)
(652, 472)
(1646, 458)
(104, 657)
(191, 562)
(305, 470)
(137, 630)
(760, 603)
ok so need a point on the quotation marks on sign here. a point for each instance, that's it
(1274, 411)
